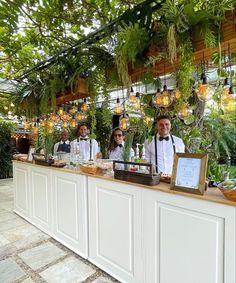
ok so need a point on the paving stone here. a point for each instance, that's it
(41, 255)
(10, 271)
(67, 271)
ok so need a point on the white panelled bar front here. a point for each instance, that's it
(136, 233)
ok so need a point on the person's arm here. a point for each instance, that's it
(55, 148)
(95, 149)
(147, 151)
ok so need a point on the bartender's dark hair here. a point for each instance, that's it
(113, 143)
(163, 117)
(81, 125)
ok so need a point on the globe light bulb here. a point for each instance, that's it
(118, 107)
(177, 93)
(73, 123)
(230, 101)
(204, 91)
(73, 110)
(65, 124)
(124, 123)
(26, 125)
(50, 130)
(54, 118)
(147, 120)
(157, 100)
(184, 112)
(84, 106)
(50, 124)
(60, 111)
(80, 116)
(43, 123)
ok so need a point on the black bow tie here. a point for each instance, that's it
(120, 145)
(162, 138)
(83, 139)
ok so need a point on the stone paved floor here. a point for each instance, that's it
(28, 255)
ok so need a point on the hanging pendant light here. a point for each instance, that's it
(118, 107)
(26, 124)
(147, 120)
(166, 97)
(54, 118)
(226, 89)
(177, 93)
(137, 104)
(35, 129)
(184, 112)
(132, 98)
(73, 123)
(73, 109)
(65, 124)
(80, 116)
(84, 106)
(124, 122)
(230, 101)
(204, 91)
(157, 100)
(50, 130)
(60, 111)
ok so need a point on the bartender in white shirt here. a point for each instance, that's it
(88, 148)
(116, 146)
(160, 151)
(64, 144)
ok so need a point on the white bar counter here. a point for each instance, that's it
(136, 233)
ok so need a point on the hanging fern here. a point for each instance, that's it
(171, 42)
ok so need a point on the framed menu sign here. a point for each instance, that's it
(189, 172)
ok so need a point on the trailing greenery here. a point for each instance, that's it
(132, 40)
(6, 149)
(128, 145)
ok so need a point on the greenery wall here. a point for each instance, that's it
(6, 149)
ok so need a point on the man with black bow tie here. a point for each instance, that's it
(64, 144)
(86, 147)
(160, 151)
(116, 146)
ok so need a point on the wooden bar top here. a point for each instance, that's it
(211, 194)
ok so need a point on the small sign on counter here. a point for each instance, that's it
(189, 172)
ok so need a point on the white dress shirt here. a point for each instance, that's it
(84, 148)
(117, 153)
(55, 148)
(165, 153)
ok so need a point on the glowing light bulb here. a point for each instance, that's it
(65, 124)
(50, 130)
(147, 120)
(73, 123)
(184, 112)
(157, 100)
(35, 130)
(43, 123)
(177, 93)
(204, 91)
(60, 111)
(118, 109)
(80, 116)
(50, 124)
(124, 123)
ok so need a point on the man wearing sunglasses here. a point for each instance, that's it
(160, 151)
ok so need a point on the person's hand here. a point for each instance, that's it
(99, 155)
